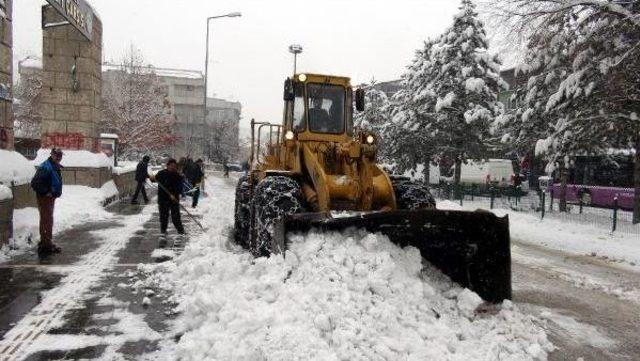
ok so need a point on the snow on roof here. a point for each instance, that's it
(15, 169)
(161, 72)
(124, 168)
(5, 193)
(179, 73)
(31, 62)
(77, 158)
(109, 136)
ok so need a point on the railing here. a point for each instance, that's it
(613, 218)
(256, 146)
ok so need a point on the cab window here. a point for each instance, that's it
(326, 108)
(298, 107)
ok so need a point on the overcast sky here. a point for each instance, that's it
(362, 39)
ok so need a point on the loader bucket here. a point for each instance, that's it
(472, 248)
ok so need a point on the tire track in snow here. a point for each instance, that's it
(72, 289)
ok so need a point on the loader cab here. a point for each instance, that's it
(320, 107)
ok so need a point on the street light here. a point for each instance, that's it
(235, 14)
(295, 49)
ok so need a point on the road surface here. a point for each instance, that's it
(590, 308)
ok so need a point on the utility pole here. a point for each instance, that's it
(206, 76)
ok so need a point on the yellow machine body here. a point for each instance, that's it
(337, 170)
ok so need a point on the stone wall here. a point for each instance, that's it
(23, 196)
(70, 103)
(6, 221)
(90, 177)
(6, 71)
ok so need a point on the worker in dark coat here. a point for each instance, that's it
(196, 177)
(169, 188)
(47, 184)
(142, 174)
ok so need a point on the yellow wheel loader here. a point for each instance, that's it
(314, 164)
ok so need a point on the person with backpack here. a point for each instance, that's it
(142, 174)
(47, 184)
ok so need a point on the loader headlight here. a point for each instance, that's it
(371, 139)
(302, 77)
(289, 135)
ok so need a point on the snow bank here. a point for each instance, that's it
(77, 158)
(576, 238)
(349, 296)
(5, 193)
(125, 167)
(15, 168)
(109, 190)
(78, 205)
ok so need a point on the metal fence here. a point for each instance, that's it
(615, 219)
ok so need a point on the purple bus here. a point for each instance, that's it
(598, 180)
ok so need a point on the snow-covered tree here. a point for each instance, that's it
(376, 112)
(407, 142)
(591, 99)
(28, 106)
(136, 107)
(464, 79)
(222, 142)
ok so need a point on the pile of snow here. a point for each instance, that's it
(335, 296)
(109, 190)
(449, 206)
(125, 167)
(5, 193)
(15, 169)
(77, 158)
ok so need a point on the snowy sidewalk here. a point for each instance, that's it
(86, 303)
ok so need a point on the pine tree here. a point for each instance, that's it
(407, 141)
(465, 81)
(376, 112)
(592, 103)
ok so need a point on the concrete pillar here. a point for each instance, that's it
(6, 72)
(70, 104)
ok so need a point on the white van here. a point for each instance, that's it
(418, 174)
(494, 171)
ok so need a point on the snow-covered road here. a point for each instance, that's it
(590, 308)
(335, 296)
(350, 296)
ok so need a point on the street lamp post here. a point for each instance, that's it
(295, 49)
(206, 69)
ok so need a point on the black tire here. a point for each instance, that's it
(412, 195)
(274, 198)
(242, 212)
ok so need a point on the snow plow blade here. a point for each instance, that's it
(472, 248)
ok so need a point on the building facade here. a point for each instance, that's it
(6, 73)
(223, 130)
(185, 89)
